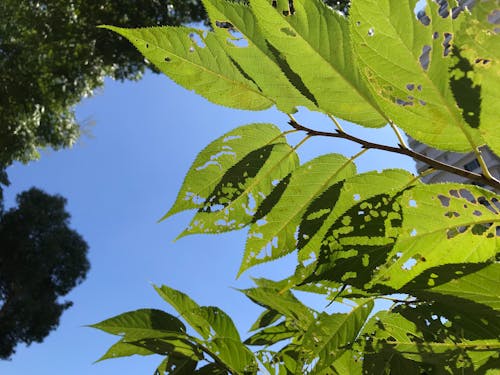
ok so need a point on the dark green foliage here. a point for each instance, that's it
(41, 259)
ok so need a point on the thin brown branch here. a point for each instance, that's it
(493, 182)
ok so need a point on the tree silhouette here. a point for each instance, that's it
(41, 259)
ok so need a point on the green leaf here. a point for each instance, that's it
(480, 286)
(479, 43)
(123, 349)
(186, 307)
(410, 85)
(219, 321)
(176, 366)
(315, 44)
(197, 62)
(273, 234)
(419, 335)
(284, 303)
(330, 206)
(272, 335)
(179, 346)
(133, 321)
(265, 319)
(349, 364)
(286, 88)
(217, 158)
(210, 369)
(442, 224)
(235, 355)
(234, 200)
(329, 335)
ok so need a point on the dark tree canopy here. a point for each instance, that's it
(41, 259)
(52, 55)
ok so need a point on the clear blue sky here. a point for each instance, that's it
(118, 182)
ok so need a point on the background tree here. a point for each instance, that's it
(41, 259)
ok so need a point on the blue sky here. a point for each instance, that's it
(119, 181)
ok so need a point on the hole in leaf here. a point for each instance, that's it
(424, 58)
(435, 35)
(454, 193)
(224, 24)
(422, 102)
(447, 44)
(404, 103)
(410, 86)
(167, 59)
(419, 87)
(443, 9)
(423, 18)
(409, 264)
(483, 201)
(413, 233)
(482, 61)
(494, 17)
(412, 203)
(445, 201)
(197, 39)
(371, 31)
(468, 195)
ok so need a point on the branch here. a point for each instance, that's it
(493, 182)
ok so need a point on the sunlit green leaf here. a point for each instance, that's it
(314, 42)
(442, 224)
(234, 200)
(329, 335)
(273, 235)
(286, 88)
(213, 162)
(406, 64)
(197, 61)
(186, 307)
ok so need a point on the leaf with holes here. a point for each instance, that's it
(244, 186)
(274, 233)
(314, 43)
(442, 224)
(406, 63)
(417, 334)
(217, 158)
(285, 88)
(341, 211)
(479, 44)
(197, 62)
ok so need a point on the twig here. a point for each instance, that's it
(401, 140)
(337, 124)
(493, 182)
